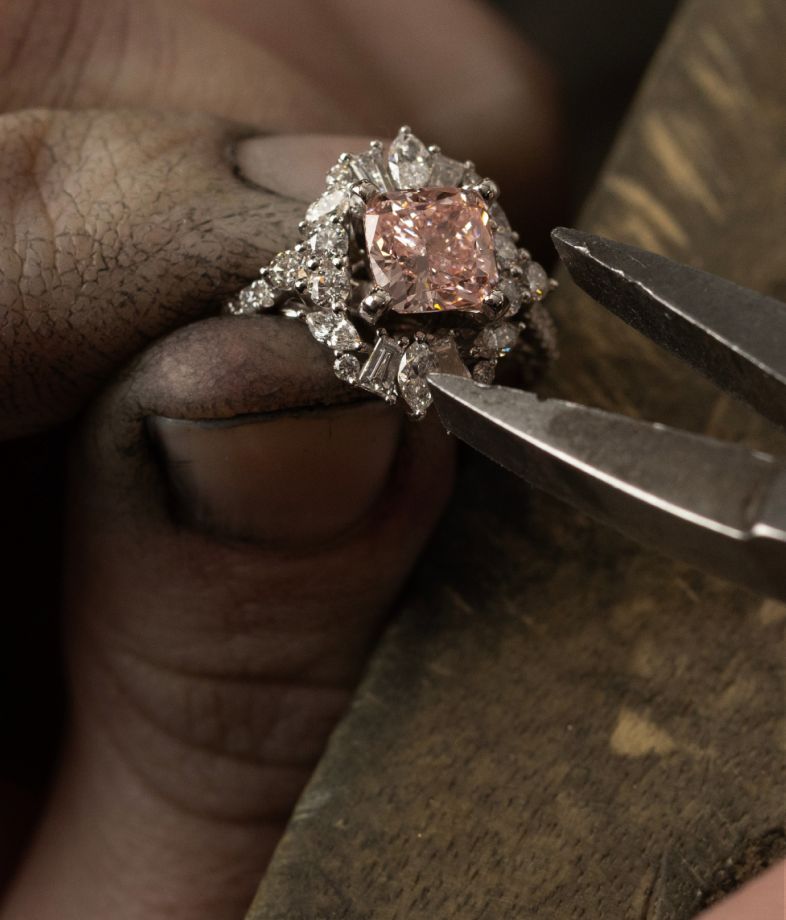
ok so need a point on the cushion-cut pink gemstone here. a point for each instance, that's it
(431, 249)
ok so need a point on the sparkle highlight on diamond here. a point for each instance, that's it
(431, 249)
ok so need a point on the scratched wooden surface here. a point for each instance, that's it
(561, 724)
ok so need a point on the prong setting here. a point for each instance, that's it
(365, 191)
(495, 304)
(374, 305)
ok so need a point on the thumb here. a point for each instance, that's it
(237, 531)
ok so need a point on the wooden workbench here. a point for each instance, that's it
(560, 724)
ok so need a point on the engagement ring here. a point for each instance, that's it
(408, 265)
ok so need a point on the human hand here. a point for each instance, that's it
(234, 529)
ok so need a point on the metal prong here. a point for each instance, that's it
(495, 304)
(365, 191)
(376, 145)
(487, 189)
(344, 158)
(434, 148)
(374, 305)
(312, 264)
(303, 226)
(300, 286)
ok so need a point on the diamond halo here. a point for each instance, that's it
(408, 265)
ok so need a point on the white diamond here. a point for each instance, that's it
(538, 280)
(484, 371)
(340, 175)
(285, 270)
(418, 362)
(368, 168)
(347, 368)
(415, 366)
(257, 296)
(344, 337)
(417, 395)
(512, 290)
(506, 249)
(329, 287)
(334, 330)
(409, 161)
(321, 324)
(500, 217)
(447, 171)
(448, 357)
(330, 202)
(496, 340)
(379, 372)
(329, 239)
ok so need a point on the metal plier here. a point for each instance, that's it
(715, 504)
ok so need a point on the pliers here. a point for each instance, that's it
(715, 504)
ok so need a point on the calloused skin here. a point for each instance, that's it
(205, 667)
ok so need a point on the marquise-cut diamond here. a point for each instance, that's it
(418, 362)
(334, 330)
(538, 280)
(409, 161)
(333, 201)
(431, 249)
(380, 371)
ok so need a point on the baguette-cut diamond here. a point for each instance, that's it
(379, 372)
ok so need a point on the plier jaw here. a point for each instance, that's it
(715, 504)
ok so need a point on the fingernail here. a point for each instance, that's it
(286, 479)
(293, 165)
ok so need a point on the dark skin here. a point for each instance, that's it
(208, 644)
(208, 647)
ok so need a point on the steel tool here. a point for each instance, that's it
(715, 504)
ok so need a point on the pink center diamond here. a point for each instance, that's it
(431, 249)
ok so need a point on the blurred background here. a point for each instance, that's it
(600, 49)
